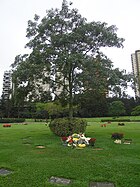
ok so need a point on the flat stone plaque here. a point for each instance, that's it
(4, 171)
(97, 149)
(40, 147)
(60, 180)
(101, 184)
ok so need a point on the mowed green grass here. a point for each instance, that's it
(33, 167)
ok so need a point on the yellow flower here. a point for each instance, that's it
(81, 145)
(75, 139)
(75, 135)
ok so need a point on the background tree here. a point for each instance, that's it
(6, 107)
(99, 80)
(119, 82)
(92, 104)
(53, 109)
(129, 103)
(116, 108)
(63, 44)
(136, 111)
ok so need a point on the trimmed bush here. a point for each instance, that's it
(66, 126)
(12, 120)
(135, 120)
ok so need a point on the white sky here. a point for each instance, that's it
(14, 15)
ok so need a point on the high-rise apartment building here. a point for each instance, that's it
(7, 85)
(135, 59)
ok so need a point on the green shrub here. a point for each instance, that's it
(135, 120)
(66, 126)
(12, 120)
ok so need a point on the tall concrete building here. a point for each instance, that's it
(135, 59)
(7, 85)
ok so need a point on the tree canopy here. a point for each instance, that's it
(136, 111)
(117, 108)
(66, 54)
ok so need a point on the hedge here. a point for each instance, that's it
(115, 120)
(12, 120)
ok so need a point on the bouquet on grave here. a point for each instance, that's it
(78, 140)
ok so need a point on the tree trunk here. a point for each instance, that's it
(70, 93)
(71, 106)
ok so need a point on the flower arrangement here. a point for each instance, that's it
(92, 141)
(118, 141)
(7, 125)
(117, 136)
(103, 125)
(78, 140)
(121, 124)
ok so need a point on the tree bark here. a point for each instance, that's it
(70, 93)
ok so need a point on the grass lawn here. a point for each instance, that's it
(33, 167)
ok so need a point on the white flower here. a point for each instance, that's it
(118, 141)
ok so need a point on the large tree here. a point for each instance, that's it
(65, 49)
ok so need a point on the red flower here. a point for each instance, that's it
(70, 141)
(64, 138)
(92, 140)
(7, 125)
(103, 125)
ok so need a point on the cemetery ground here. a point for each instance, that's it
(33, 155)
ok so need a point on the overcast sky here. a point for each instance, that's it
(14, 15)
